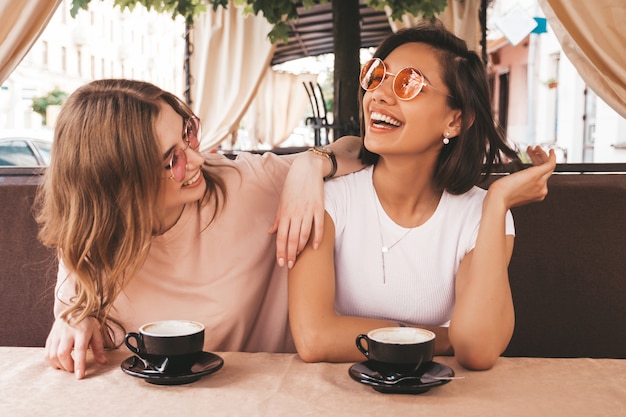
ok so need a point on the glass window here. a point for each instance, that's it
(17, 153)
(45, 148)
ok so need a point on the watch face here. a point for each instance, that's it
(323, 150)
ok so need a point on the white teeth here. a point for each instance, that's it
(378, 117)
(193, 179)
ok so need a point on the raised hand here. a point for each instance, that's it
(529, 185)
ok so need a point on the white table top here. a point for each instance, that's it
(264, 384)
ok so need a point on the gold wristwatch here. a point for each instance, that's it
(328, 154)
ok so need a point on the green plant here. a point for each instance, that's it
(277, 12)
(185, 8)
(52, 98)
(424, 8)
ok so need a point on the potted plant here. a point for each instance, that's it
(552, 83)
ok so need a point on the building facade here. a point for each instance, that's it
(103, 42)
(539, 97)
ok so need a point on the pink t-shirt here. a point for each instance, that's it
(223, 275)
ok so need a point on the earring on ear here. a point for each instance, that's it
(445, 139)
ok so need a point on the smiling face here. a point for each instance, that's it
(173, 195)
(408, 127)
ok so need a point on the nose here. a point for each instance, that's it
(384, 92)
(194, 158)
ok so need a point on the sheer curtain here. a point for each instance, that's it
(231, 55)
(460, 17)
(21, 23)
(593, 36)
(280, 104)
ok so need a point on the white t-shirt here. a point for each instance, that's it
(417, 284)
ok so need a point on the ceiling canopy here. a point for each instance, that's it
(312, 33)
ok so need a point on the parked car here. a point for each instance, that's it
(25, 151)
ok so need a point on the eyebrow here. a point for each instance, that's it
(168, 152)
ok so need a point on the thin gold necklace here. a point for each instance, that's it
(386, 248)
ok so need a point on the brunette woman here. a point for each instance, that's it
(412, 240)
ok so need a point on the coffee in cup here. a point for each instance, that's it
(402, 347)
(167, 345)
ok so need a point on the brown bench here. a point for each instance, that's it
(568, 271)
(27, 269)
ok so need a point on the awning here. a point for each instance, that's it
(312, 33)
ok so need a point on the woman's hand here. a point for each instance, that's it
(66, 345)
(301, 206)
(529, 185)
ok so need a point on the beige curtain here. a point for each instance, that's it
(231, 54)
(593, 36)
(280, 104)
(460, 17)
(21, 23)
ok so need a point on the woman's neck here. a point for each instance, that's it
(406, 191)
(168, 220)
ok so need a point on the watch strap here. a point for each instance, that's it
(328, 154)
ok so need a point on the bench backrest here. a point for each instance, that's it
(567, 274)
(568, 270)
(27, 268)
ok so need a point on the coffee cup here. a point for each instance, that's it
(167, 345)
(405, 348)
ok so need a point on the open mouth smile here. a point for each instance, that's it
(193, 179)
(383, 121)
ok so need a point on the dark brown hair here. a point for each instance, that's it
(480, 145)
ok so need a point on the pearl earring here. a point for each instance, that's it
(445, 139)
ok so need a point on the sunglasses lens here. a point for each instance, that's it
(372, 74)
(179, 165)
(408, 83)
(192, 132)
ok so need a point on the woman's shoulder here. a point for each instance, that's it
(246, 162)
(253, 173)
(241, 159)
(355, 179)
(474, 196)
(348, 191)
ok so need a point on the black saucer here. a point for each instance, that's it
(378, 376)
(206, 364)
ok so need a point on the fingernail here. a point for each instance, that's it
(281, 262)
(316, 245)
(290, 264)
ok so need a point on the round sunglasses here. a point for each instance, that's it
(407, 83)
(178, 159)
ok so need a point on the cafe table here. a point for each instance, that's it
(266, 384)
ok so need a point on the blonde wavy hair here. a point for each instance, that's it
(98, 200)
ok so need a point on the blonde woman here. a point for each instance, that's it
(148, 228)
